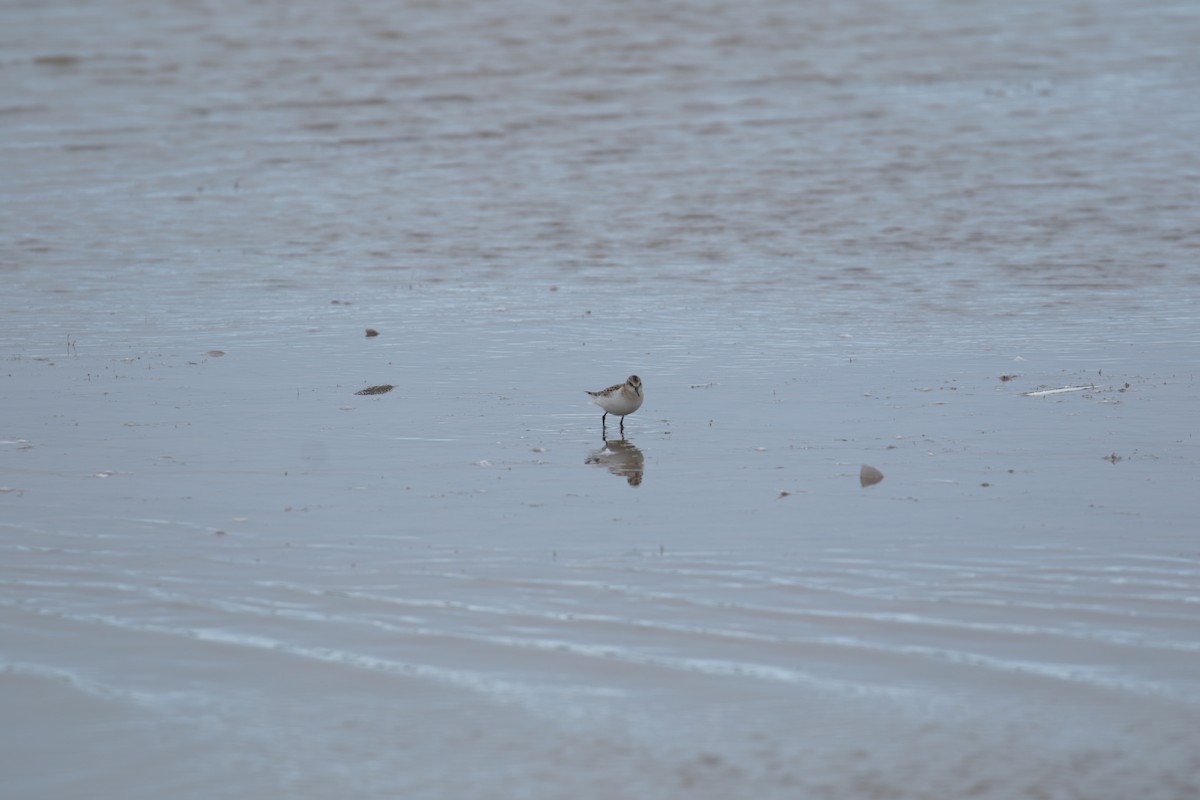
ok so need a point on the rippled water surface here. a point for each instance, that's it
(823, 234)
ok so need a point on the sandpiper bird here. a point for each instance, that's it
(620, 399)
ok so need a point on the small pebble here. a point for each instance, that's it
(869, 476)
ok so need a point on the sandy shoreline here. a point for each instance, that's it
(213, 566)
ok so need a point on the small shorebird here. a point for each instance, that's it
(620, 399)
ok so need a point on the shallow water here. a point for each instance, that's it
(824, 236)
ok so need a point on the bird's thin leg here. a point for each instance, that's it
(604, 425)
(622, 426)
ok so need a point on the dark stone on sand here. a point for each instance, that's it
(869, 476)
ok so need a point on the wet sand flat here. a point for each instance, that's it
(956, 246)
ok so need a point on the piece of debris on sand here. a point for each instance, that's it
(1045, 392)
(382, 388)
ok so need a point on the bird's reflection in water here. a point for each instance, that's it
(621, 457)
